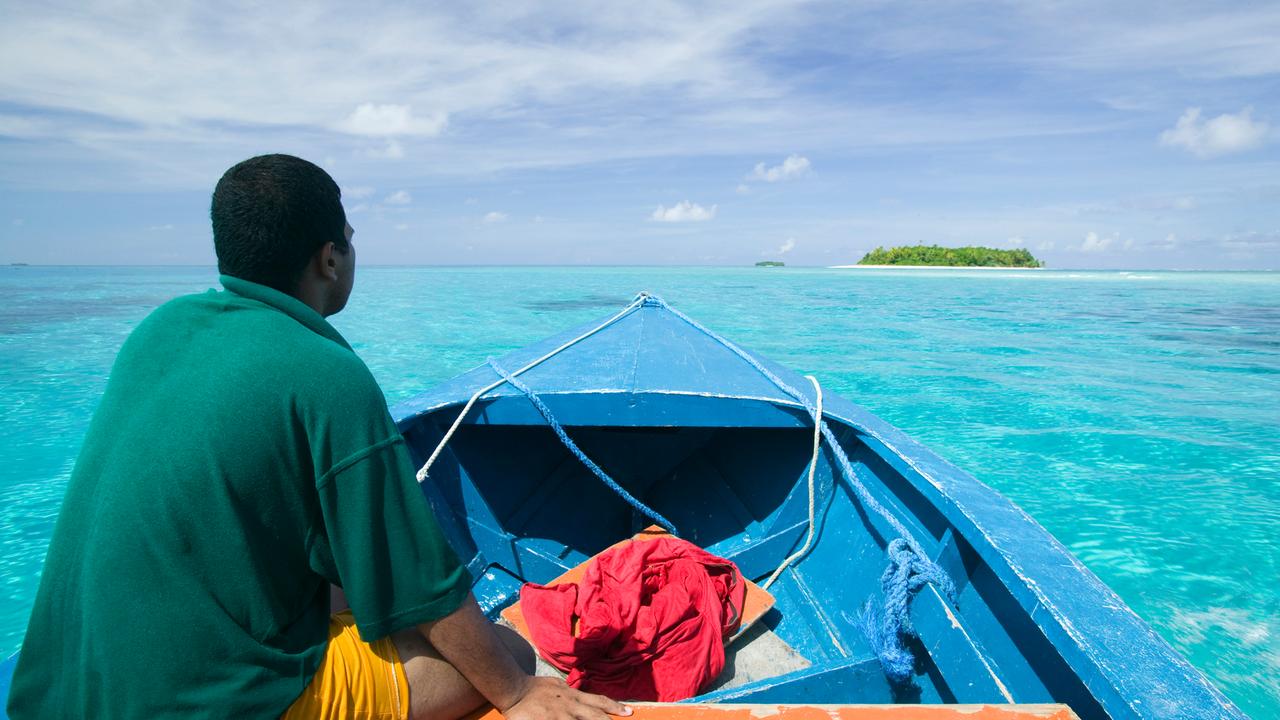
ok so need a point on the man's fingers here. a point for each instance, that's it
(609, 705)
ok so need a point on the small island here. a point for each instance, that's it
(771, 263)
(937, 256)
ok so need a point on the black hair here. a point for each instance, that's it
(270, 214)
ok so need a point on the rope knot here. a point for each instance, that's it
(648, 299)
(885, 627)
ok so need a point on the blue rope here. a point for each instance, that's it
(573, 448)
(909, 566)
(885, 627)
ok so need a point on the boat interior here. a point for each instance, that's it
(519, 507)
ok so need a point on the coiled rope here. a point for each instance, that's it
(906, 573)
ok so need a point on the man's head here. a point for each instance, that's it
(277, 220)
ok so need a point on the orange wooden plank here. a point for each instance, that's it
(757, 602)
(666, 711)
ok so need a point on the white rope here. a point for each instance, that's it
(426, 467)
(813, 466)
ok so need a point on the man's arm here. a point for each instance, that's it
(467, 640)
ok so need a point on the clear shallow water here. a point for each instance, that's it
(1135, 415)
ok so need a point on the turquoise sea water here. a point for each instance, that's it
(1135, 415)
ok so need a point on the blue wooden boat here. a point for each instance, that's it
(667, 422)
(718, 442)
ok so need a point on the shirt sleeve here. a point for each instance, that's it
(392, 560)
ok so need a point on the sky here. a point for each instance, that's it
(1140, 135)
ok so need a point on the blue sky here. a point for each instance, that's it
(1095, 134)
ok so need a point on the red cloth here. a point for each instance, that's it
(652, 618)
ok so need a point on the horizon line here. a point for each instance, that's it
(20, 264)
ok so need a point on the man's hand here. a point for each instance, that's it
(551, 699)
(468, 642)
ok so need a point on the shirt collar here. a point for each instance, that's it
(287, 304)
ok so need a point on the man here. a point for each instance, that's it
(241, 461)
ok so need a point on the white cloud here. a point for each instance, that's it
(357, 192)
(166, 226)
(357, 208)
(399, 197)
(176, 91)
(493, 217)
(389, 120)
(1016, 241)
(186, 84)
(401, 227)
(1221, 135)
(793, 167)
(1045, 245)
(743, 189)
(787, 246)
(1096, 243)
(683, 211)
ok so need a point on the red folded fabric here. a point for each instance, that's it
(652, 618)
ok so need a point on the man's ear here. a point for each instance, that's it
(326, 265)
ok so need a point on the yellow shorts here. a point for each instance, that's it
(356, 679)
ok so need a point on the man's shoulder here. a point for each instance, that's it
(235, 317)
(226, 328)
(196, 311)
(260, 343)
(186, 304)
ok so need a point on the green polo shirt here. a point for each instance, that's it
(241, 460)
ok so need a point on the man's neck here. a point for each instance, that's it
(313, 295)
